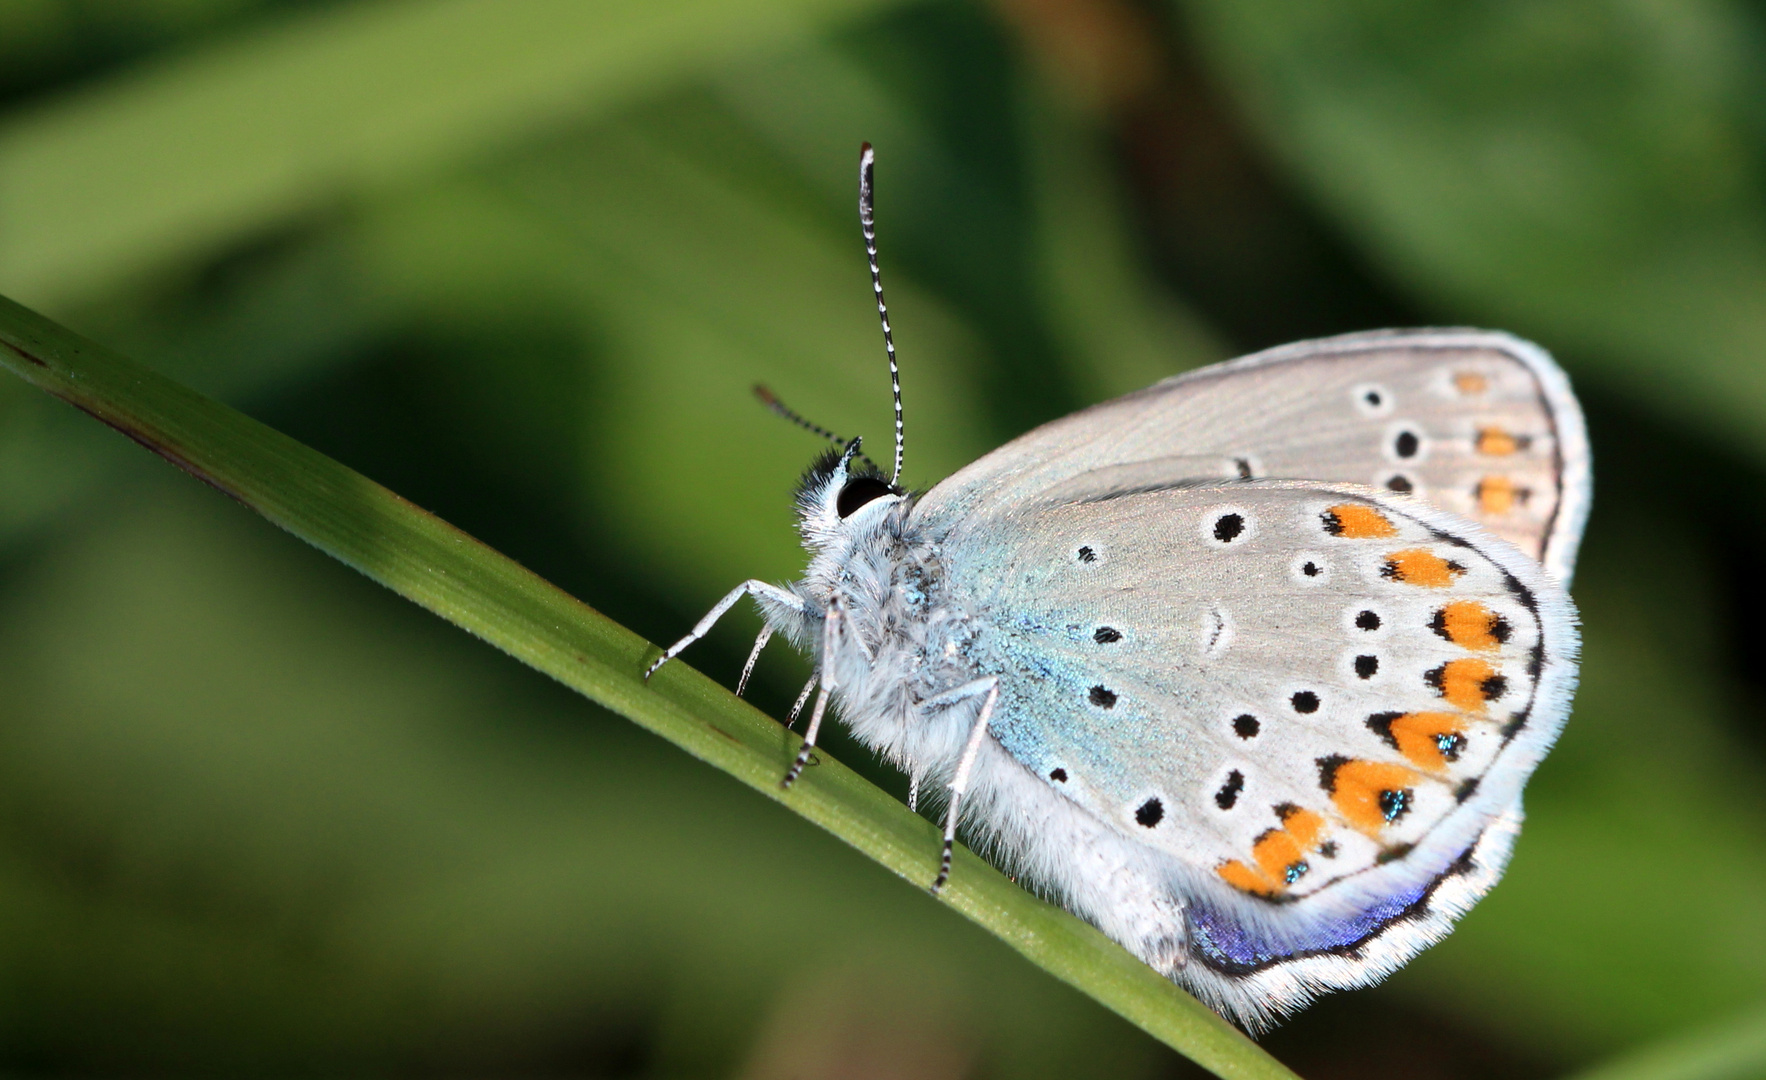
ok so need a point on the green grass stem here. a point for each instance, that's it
(438, 567)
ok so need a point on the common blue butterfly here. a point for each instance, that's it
(1247, 668)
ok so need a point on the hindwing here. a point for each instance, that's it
(1314, 697)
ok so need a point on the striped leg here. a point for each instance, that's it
(830, 641)
(989, 691)
(703, 626)
(797, 707)
(766, 635)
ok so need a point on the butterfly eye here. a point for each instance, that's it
(859, 491)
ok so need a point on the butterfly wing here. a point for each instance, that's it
(1322, 701)
(1479, 423)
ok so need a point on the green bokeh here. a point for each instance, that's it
(522, 261)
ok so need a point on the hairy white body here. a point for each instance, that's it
(904, 645)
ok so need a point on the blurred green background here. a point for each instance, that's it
(521, 260)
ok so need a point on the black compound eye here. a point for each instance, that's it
(859, 491)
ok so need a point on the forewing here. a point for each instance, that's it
(1478, 423)
(1315, 697)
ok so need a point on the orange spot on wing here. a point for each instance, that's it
(1496, 442)
(1428, 740)
(1303, 825)
(1280, 854)
(1370, 794)
(1275, 851)
(1499, 495)
(1418, 566)
(1355, 521)
(1471, 625)
(1467, 684)
(1470, 382)
(1245, 879)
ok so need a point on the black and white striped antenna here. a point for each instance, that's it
(771, 401)
(867, 218)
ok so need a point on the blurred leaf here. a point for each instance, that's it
(440, 568)
(43, 41)
(290, 309)
(707, 288)
(1735, 1050)
(1584, 172)
(1120, 332)
(257, 815)
(302, 114)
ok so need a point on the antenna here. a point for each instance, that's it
(867, 218)
(771, 401)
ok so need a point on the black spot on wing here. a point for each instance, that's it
(1367, 666)
(1393, 853)
(1150, 813)
(1381, 724)
(1367, 620)
(1228, 794)
(1304, 701)
(1059, 776)
(1106, 635)
(1245, 726)
(1327, 771)
(1103, 697)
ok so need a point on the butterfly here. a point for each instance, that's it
(1248, 668)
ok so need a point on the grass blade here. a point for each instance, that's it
(310, 110)
(437, 566)
(1735, 1050)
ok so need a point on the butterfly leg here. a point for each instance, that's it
(989, 691)
(751, 587)
(797, 707)
(766, 635)
(830, 639)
